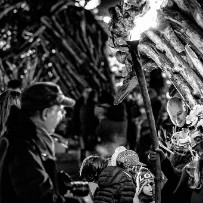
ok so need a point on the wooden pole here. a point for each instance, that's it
(147, 103)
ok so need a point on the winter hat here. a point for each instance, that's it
(127, 159)
(115, 154)
(143, 178)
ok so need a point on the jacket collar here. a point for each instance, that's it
(45, 143)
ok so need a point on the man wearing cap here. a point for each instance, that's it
(28, 172)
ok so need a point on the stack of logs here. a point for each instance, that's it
(53, 40)
(175, 46)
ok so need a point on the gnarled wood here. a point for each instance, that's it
(167, 67)
(185, 27)
(192, 8)
(180, 65)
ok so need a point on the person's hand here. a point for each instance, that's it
(153, 155)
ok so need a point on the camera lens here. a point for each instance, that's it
(79, 188)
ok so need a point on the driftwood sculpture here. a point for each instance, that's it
(67, 42)
(175, 46)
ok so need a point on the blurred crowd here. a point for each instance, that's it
(116, 154)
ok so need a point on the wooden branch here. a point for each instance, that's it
(6, 10)
(149, 66)
(125, 89)
(186, 40)
(167, 67)
(72, 42)
(185, 27)
(143, 86)
(168, 33)
(56, 36)
(192, 8)
(195, 60)
(180, 65)
(63, 76)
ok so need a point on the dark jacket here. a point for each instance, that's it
(29, 171)
(114, 186)
(178, 186)
(173, 177)
(194, 195)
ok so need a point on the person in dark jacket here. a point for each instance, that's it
(173, 177)
(129, 161)
(114, 183)
(186, 185)
(8, 99)
(28, 171)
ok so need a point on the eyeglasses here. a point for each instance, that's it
(62, 110)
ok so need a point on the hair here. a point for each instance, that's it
(8, 99)
(91, 167)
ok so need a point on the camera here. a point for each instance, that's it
(78, 188)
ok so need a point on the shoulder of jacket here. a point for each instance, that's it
(127, 174)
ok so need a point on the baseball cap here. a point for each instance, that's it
(43, 95)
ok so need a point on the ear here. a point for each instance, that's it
(44, 114)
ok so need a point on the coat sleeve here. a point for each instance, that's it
(127, 191)
(169, 170)
(183, 181)
(31, 182)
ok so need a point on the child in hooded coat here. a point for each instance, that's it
(144, 179)
(114, 183)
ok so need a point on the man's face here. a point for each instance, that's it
(54, 115)
(177, 114)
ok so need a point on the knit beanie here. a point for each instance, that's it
(143, 178)
(127, 159)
